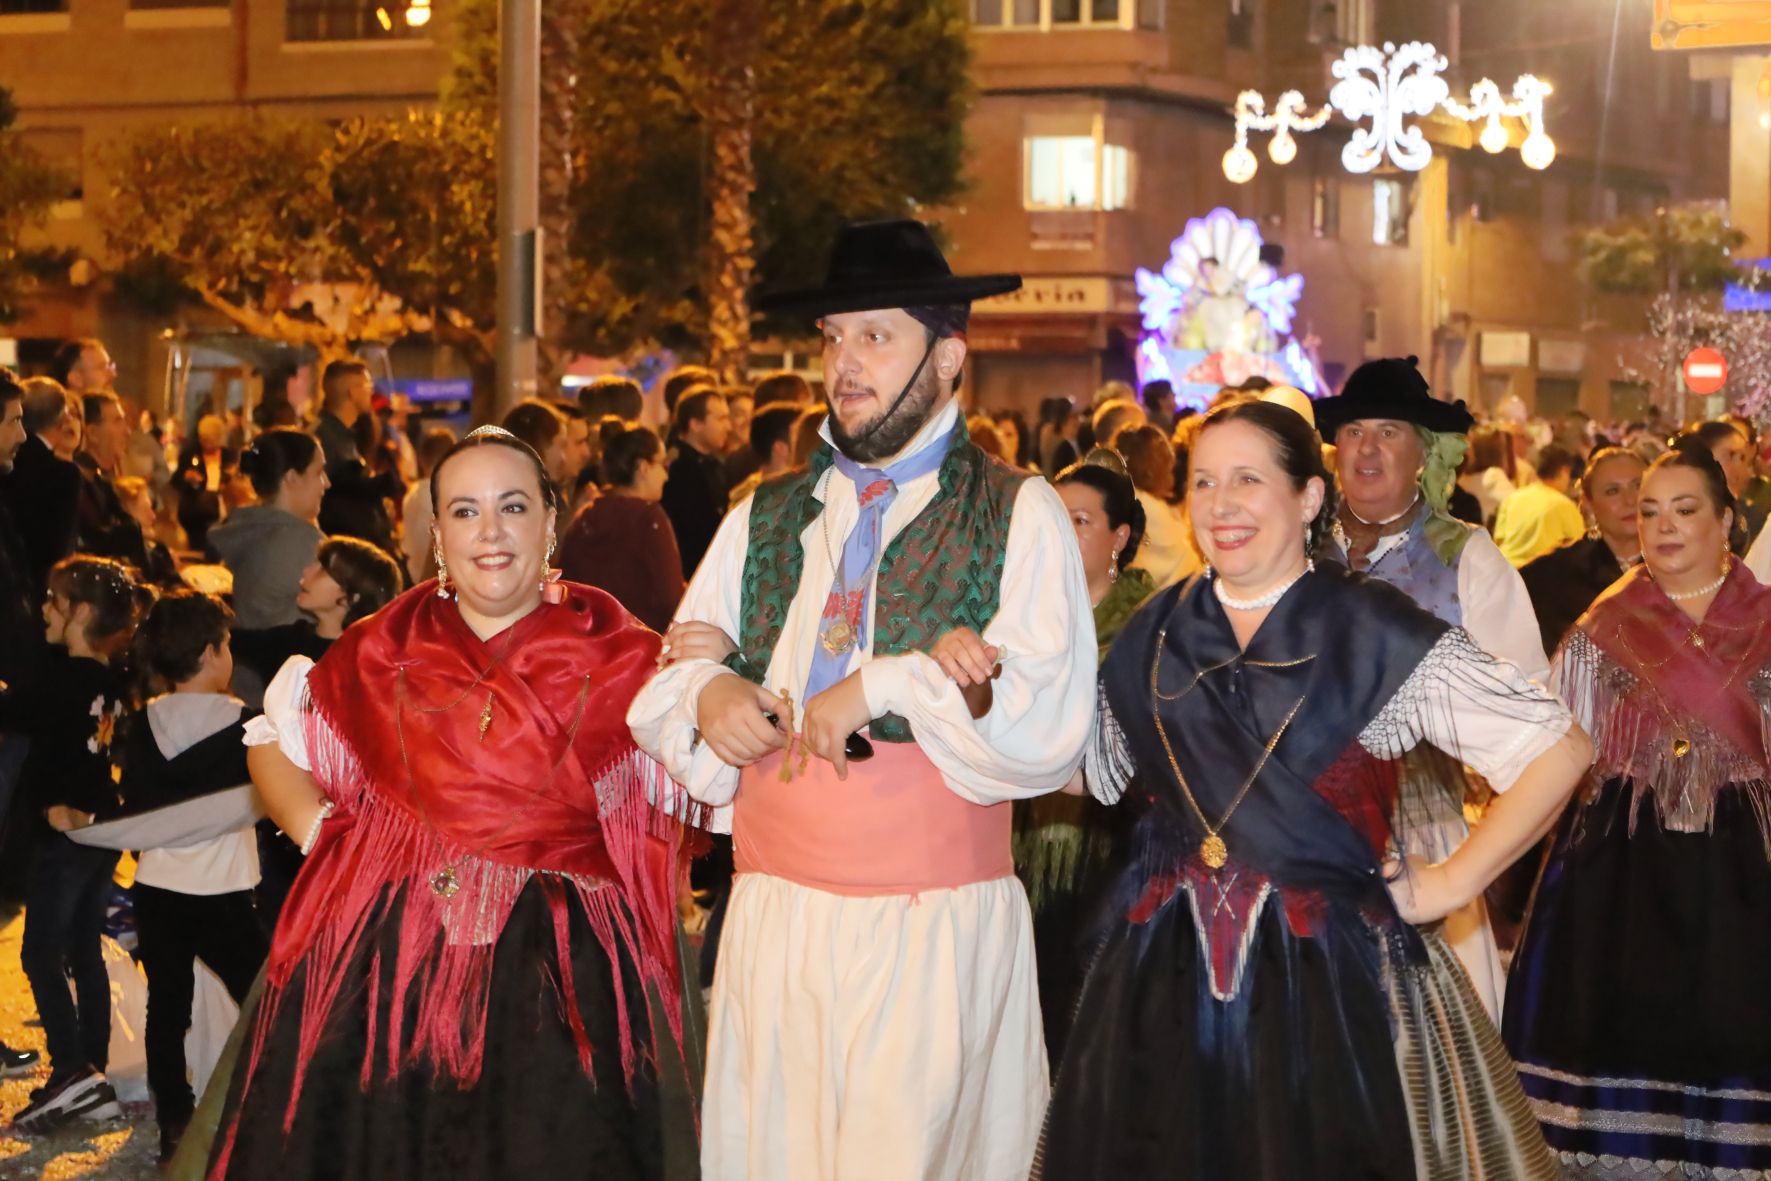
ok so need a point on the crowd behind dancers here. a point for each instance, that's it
(126, 681)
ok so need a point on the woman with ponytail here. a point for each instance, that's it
(267, 545)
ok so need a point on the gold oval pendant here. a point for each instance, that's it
(1214, 852)
(444, 883)
(838, 638)
(1681, 747)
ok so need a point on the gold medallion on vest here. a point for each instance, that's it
(838, 638)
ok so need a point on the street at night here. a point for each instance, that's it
(885, 590)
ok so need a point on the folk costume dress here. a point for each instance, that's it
(874, 1014)
(1638, 1004)
(1256, 1008)
(457, 985)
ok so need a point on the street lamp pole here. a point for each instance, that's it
(519, 205)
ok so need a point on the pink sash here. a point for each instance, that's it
(893, 827)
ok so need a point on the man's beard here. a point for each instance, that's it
(887, 433)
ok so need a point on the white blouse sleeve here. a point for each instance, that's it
(1042, 713)
(663, 715)
(1497, 611)
(1473, 707)
(283, 721)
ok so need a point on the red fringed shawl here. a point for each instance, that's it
(1676, 707)
(551, 786)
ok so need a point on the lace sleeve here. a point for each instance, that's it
(1480, 710)
(1107, 765)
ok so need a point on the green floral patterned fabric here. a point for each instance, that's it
(941, 571)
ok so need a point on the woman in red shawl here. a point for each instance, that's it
(457, 986)
(1637, 1007)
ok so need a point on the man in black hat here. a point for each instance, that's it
(913, 652)
(1397, 451)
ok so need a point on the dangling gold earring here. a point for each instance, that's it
(547, 562)
(442, 574)
(1113, 568)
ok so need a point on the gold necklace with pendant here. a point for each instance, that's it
(445, 883)
(1212, 849)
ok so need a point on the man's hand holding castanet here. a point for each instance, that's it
(831, 717)
(731, 718)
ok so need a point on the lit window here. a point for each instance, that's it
(1077, 172)
(352, 20)
(1115, 177)
(1389, 213)
(1355, 22)
(1239, 29)
(1067, 14)
(1325, 207)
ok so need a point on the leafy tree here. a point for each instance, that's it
(28, 187)
(384, 227)
(414, 200)
(1681, 248)
(1683, 256)
(311, 235)
(856, 111)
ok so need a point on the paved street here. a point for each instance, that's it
(116, 1150)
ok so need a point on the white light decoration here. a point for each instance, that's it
(1289, 114)
(418, 13)
(1538, 151)
(1240, 164)
(1380, 89)
(1282, 149)
(1494, 138)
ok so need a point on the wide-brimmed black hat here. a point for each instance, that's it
(1392, 388)
(886, 264)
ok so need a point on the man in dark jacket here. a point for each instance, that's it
(356, 503)
(695, 492)
(42, 489)
(21, 638)
(105, 527)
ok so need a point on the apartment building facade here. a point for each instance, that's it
(1101, 127)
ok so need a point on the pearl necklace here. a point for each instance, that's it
(1266, 600)
(1681, 596)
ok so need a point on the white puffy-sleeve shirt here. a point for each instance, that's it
(283, 722)
(1042, 714)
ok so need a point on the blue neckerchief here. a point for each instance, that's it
(875, 490)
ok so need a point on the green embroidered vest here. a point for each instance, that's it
(942, 571)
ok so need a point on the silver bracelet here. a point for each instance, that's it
(327, 807)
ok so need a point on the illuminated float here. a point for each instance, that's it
(1217, 314)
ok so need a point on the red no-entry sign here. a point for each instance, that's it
(1706, 371)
